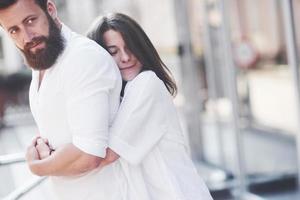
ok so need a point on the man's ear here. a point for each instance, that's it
(51, 8)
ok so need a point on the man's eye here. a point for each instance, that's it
(12, 32)
(30, 21)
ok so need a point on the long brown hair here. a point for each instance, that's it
(137, 42)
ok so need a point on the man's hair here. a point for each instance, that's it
(7, 3)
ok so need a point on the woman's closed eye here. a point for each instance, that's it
(112, 50)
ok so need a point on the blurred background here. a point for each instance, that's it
(237, 68)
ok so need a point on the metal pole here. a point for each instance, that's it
(292, 51)
(229, 64)
(190, 82)
(211, 81)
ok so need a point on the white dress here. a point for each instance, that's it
(147, 135)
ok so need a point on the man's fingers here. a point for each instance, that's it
(34, 140)
(29, 148)
(46, 141)
(39, 141)
(43, 150)
(42, 140)
(32, 154)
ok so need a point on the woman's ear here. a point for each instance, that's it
(51, 8)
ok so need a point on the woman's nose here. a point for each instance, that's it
(125, 57)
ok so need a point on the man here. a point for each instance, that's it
(74, 95)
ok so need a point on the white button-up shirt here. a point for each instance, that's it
(76, 103)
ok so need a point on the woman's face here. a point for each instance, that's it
(128, 64)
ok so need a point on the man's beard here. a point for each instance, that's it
(54, 45)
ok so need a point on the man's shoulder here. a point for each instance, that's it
(81, 50)
(81, 44)
(83, 57)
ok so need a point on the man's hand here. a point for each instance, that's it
(38, 149)
(43, 148)
(32, 153)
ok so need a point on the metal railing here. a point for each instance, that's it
(26, 187)
(11, 159)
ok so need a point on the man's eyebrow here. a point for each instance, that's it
(25, 19)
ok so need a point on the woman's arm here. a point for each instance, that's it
(110, 157)
(141, 120)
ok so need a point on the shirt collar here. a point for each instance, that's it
(66, 32)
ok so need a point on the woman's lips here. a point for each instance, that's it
(127, 67)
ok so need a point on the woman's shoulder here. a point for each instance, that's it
(146, 77)
(145, 82)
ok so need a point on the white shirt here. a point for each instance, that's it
(147, 136)
(76, 103)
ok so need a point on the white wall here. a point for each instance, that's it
(12, 60)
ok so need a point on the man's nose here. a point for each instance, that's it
(27, 36)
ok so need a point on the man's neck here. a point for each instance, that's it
(41, 76)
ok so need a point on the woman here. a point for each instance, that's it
(146, 135)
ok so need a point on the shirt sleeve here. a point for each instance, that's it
(141, 121)
(90, 79)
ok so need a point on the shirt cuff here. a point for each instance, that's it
(125, 151)
(90, 146)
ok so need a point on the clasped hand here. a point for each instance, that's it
(38, 149)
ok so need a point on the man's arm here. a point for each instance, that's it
(65, 161)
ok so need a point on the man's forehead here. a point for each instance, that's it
(16, 13)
